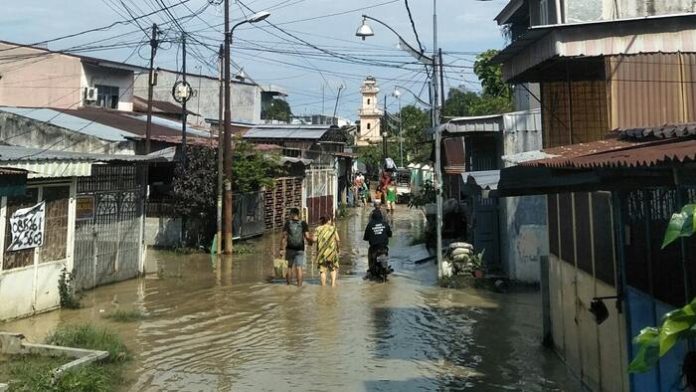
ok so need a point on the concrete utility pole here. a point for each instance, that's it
(385, 129)
(150, 87)
(438, 145)
(228, 137)
(221, 150)
(184, 113)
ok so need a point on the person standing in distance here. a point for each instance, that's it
(292, 245)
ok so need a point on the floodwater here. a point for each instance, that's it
(222, 326)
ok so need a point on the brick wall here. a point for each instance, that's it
(285, 194)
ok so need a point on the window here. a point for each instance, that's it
(368, 101)
(56, 232)
(107, 96)
(20, 258)
(368, 126)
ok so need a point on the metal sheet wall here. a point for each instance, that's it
(651, 89)
(574, 112)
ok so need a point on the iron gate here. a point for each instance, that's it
(107, 241)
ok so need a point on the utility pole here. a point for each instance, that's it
(150, 87)
(438, 146)
(184, 113)
(385, 129)
(221, 150)
(228, 137)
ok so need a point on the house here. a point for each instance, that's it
(247, 97)
(617, 104)
(322, 145)
(512, 231)
(94, 219)
(37, 77)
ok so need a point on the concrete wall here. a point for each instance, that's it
(524, 238)
(36, 78)
(246, 98)
(23, 131)
(33, 288)
(596, 10)
(94, 75)
(163, 232)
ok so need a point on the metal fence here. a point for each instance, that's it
(108, 226)
(249, 215)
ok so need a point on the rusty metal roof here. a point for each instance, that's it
(615, 153)
(661, 132)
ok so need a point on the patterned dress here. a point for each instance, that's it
(327, 247)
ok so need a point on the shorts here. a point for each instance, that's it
(295, 258)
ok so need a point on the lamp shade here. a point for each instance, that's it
(364, 30)
(259, 16)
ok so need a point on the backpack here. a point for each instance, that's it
(295, 235)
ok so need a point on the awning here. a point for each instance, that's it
(487, 179)
(601, 165)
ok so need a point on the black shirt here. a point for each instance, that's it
(377, 233)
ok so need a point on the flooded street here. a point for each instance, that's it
(221, 326)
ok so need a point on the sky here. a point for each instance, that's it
(306, 47)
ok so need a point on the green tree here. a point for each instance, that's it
(491, 75)
(195, 186)
(678, 325)
(279, 110)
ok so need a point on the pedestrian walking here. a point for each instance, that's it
(292, 245)
(391, 197)
(328, 245)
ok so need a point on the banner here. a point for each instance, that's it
(27, 227)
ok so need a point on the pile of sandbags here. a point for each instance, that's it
(459, 256)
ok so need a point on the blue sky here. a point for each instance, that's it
(269, 55)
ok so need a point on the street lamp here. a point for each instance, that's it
(366, 31)
(258, 17)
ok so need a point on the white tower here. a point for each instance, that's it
(370, 114)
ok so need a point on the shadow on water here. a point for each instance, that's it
(217, 325)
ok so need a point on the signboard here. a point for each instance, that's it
(85, 208)
(27, 225)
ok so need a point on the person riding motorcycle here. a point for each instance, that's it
(377, 234)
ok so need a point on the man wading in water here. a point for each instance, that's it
(292, 245)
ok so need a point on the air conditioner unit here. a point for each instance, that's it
(91, 94)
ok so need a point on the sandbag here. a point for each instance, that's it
(461, 251)
(461, 258)
(465, 245)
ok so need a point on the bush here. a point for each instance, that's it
(68, 299)
(126, 316)
(92, 338)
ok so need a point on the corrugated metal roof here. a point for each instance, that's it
(516, 159)
(525, 120)
(69, 122)
(619, 153)
(666, 34)
(26, 154)
(663, 132)
(287, 132)
(41, 163)
(487, 179)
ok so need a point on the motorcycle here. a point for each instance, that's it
(379, 268)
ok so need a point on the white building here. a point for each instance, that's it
(370, 114)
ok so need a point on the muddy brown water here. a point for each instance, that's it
(219, 325)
